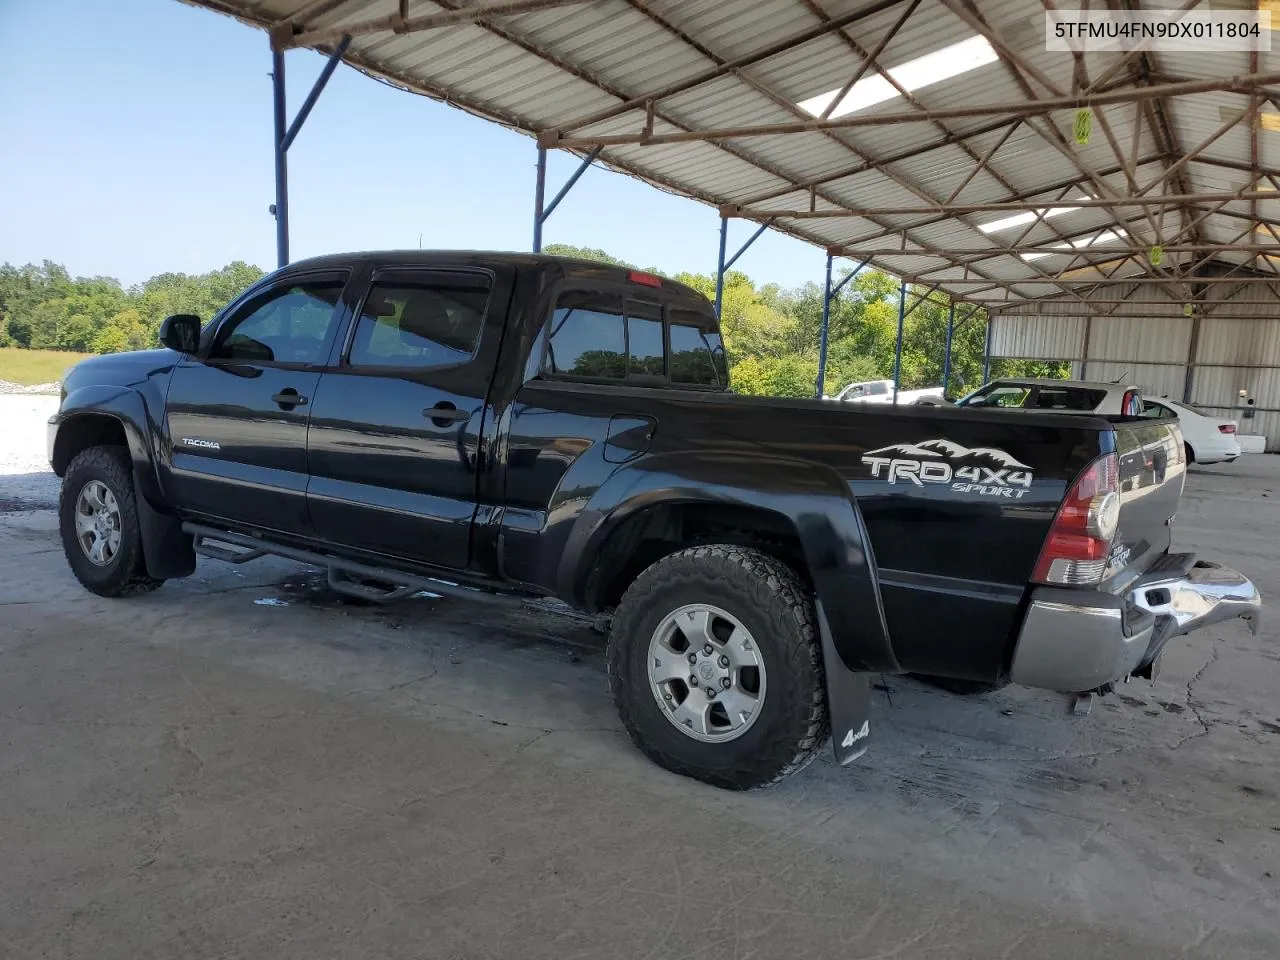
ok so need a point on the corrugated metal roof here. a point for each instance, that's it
(546, 69)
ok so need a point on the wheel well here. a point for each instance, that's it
(1190, 451)
(81, 433)
(646, 537)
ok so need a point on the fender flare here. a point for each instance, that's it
(167, 551)
(822, 509)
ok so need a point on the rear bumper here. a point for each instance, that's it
(1075, 641)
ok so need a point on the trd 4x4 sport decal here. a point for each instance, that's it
(985, 471)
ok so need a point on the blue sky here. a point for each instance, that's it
(138, 141)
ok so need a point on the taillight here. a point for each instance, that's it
(1131, 405)
(1226, 428)
(1079, 542)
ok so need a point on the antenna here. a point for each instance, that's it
(1120, 379)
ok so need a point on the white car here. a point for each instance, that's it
(1059, 396)
(1208, 439)
(881, 391)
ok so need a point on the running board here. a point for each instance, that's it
(374, 584)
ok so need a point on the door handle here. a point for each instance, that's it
(445, 413)
(289, 398)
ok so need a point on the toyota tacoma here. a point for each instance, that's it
(513, 426)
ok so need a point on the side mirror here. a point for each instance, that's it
(181, 332)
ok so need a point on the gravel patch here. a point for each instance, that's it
(7, 387)
(26, 482)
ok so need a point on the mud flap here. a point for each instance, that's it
(167, 551)
(848, 699)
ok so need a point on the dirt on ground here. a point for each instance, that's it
(242, 765)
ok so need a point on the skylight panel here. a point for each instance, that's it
(1106, 236)
(932, 68)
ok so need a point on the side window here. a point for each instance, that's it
(587, 337)
(645, 354)
(694, 342)
(691, 355)
(420, 323)
(878, 388)
(285, 325)
(1007, 395)
(1155, 411)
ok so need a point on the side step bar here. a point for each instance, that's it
(375, 584)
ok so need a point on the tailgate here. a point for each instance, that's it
(1152, 469)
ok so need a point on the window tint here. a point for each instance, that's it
(427, 323)
(587, 338)
(1004, 395)
(1068, 398)
(691, 356)
(285, 325)
(877, 388)
(644, 344)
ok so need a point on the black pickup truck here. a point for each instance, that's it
(528, 426)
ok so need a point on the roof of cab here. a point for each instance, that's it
(1054, 382)
(572, 266)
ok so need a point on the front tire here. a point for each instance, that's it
(768, 716)
(1191, 454)
(98, 520)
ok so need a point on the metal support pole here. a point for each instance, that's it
(317, 88)
(539, 194)
(986, 354)
(822, 338)
(724, 238)
(750, 240)
(281, 207)
(582, 168)
(946, 357)
(897, 350)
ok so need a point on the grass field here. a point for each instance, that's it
(35, 366)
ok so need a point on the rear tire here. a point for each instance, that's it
(98, 520)
(753, 606)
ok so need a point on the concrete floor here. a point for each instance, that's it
(241, 766)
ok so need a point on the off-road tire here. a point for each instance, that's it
(126, 573)
(777, 608)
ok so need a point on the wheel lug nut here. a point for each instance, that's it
(724, 661)
(693, 681)
(724, 682)
(693, 658)
(706, 648)
(711, 694)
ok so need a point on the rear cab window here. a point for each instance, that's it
(600, 335)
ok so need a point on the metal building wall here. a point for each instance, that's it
(1233, 345)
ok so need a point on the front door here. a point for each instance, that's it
(396, 426)
(237, 413)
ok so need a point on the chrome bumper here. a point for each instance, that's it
(1075, 641)
(1207, 593)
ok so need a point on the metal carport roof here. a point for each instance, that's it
(703, 97)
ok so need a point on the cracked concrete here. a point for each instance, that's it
(193, 774)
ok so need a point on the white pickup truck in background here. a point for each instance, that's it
(881, 391)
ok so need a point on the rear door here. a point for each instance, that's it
(397, 425)
(236, 414)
